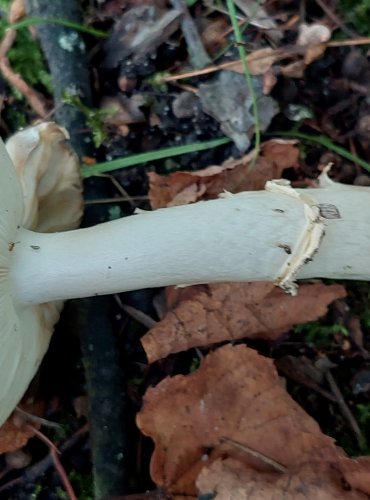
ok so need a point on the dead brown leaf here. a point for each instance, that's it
(314, 52)
(235, 394)
(12, 437)
(14, 434)
(230, 479)
(180, 188)
(213, 34)
(356, 472)
(294, 70)
(203, 315)
(259, 61)
(297, 57)
(269, 81)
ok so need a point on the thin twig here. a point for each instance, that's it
(158, 494)
(346, 412)
(279, 54)
(36, 101)
(54, 452)
(267, 460)
(140, 316)
(32, 473)
(43, 438)
(248, 77)
(37, 420)
(336, 19)
(310, 384)
(363, 40)
(124, 194)
(119, 199)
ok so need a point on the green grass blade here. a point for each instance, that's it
(130, 161)
(327, 143)
(248, 77)
(35, 21)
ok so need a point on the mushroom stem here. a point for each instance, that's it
(273, 235)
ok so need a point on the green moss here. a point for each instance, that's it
(82, 485)
(25, 56)
(4, 5)
(26, 59)
(95, 118)
(36, 492)
(14, 117)
(357, 13)
(319, 334)
(195, 364)
(62, 494)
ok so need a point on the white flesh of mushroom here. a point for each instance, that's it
(269, 235)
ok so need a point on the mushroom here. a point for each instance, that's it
(279, 235)
(43, 193)
(48, 172)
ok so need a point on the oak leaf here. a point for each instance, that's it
(235, 396)
(206, 314)
(180, 188)
(230, 479)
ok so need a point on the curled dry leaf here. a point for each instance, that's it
(313, 37)
(180, 188)
(235, 394)
(259, 61)
(295, 69)
(269, 81)
(203, 315)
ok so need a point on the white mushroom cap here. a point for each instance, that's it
(44, 196)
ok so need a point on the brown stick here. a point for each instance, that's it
(54, 452)
(256, 454)
(346, 412)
